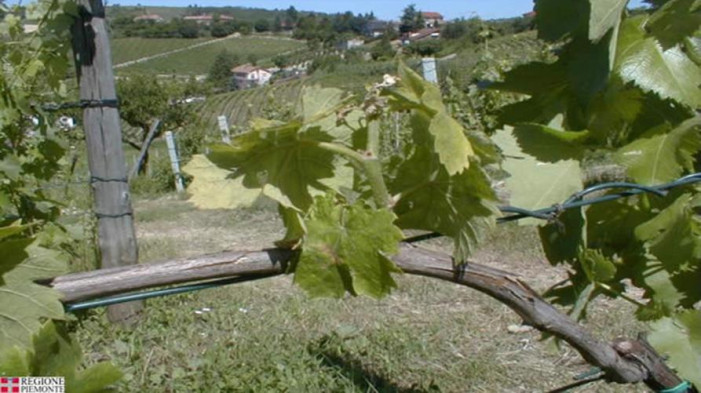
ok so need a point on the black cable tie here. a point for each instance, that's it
(100, 215)
(105, 103)
(97, 179)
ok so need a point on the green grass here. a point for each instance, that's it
(127, 49)
(198, 60)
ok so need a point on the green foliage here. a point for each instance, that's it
(54, 353)
(680, 338)
(346, 249)
(33, 245)
(220, 71)
(411, 19)
(623, 87)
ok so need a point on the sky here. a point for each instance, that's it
(383, 9)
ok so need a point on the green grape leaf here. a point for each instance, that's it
(319, 107)
(557, 19)
(673, 238)
(563, 238)
(674, 21)
(680, 338)
(460, 206)
(533, 78)
(596, 266)
(54, 353)
(548, 144)
(22, 302)
(283, 157)
(430, 114)
(604, 16)
(660, 156)
(346, 248)
(212, 188)
(535, 184)
(668, 73)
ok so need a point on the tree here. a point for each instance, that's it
(262, 25)
(220, 71)
(143, 100)
(411, 20)
(383, 50)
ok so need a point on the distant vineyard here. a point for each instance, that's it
(198, 60)
(241, 106)
(127, 49)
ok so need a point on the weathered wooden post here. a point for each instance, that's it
(103, 135)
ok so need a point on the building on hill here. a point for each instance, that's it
(149, 18)
(432, 19)
(247, 76)
(207, 19)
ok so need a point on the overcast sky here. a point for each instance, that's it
(383, 9)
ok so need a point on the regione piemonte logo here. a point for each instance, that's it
(32, 385)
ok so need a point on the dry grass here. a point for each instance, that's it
(268, 336)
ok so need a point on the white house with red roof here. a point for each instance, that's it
(432, 19)
(247, 76)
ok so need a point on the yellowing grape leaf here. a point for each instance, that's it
(660, 155)
(679, 337)
(283, 157)
(346, 248)
(212, 188)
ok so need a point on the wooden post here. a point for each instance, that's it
(224, 127)
(103, 136)
(175, 161)
(429, 67)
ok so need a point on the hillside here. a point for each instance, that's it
(197, 61)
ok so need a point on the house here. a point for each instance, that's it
(149, 18)
(207, 19)
(247, 76)
(350, 44)
(432, 19)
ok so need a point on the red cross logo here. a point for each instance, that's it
(9, 385)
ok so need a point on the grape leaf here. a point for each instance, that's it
(673, 238)
(535, 184)
(557, 19)
(284, 157)
(660, 155)
(424, 98)
(604, 16)
(460, 206)
(668, 73)
(54, 353)
(680, 338)
(23, 303)
(346, 248)
(674, 21)
(550, 145)
(562, 239)
(211, 187)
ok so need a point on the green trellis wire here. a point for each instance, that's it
(513, 214)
